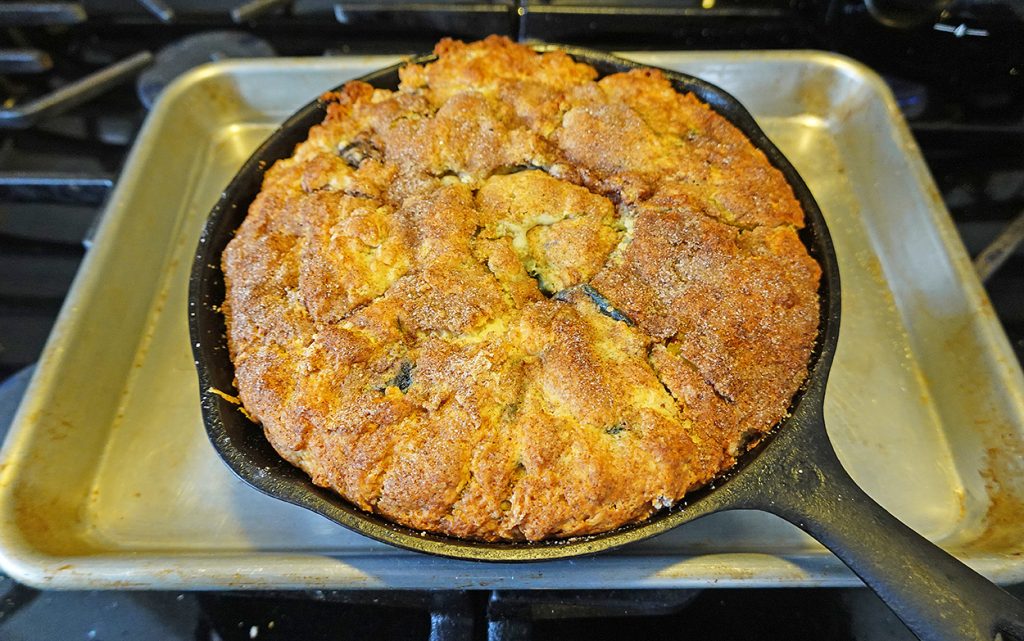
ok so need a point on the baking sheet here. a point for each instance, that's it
(108, 480)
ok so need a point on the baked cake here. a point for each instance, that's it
(511, 300)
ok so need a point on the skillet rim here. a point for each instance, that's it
(250, 456)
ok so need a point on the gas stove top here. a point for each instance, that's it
(78, 79)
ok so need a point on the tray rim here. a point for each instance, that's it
(274, 570)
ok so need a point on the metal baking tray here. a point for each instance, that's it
(107, 479)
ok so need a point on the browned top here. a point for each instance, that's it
(509, 301)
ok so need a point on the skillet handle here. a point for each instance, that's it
(935, 595)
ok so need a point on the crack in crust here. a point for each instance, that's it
(510, 300)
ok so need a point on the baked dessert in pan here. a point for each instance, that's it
(512, 300)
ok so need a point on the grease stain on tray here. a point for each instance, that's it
(1005, 516)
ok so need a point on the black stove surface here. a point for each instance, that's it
(76, 78)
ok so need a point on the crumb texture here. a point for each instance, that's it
(510, 300)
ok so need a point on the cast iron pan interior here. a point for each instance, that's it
(793, 472)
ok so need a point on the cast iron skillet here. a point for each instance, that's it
(793, 473)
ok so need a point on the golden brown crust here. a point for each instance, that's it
(511, 301)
